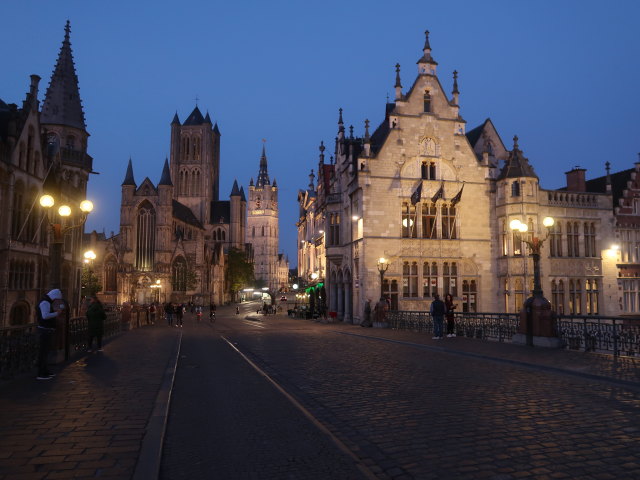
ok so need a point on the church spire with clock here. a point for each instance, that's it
(262, 226)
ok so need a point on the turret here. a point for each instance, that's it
(426, 63)
(398, 85)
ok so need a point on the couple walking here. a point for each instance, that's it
(439, 310)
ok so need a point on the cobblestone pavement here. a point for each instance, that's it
(90, 420)
(412, 407)
(325, 401)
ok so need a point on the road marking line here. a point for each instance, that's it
(341, 446)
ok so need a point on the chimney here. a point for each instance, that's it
(576, 180)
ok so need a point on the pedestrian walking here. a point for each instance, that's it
(212, 312)
(367, 314)
(95, 322)
(199, 313)
(152, 313)
(237, 309)
(168, 312)
(437, 311)
(380, 310)
(46, 316)
(449, 308)
(179, 314)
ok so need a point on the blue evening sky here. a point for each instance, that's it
(564, 76)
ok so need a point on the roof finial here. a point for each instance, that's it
(350, 131)
(321, 148)
(197, 99)
(366, 129)
(67, 31)
(515, 142)
(607, 167)
(426, 41)
(340, 122)
(455, 82)
(398, 84)
(311, 178)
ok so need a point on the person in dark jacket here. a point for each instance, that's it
(46, 316)
(450, 307)
(437, 310)
(95, 319)
(367, 314)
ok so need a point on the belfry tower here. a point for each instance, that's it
(262, 225)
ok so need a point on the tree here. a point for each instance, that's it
(89, 282)
(239, 272)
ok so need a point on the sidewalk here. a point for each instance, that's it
(91, 419)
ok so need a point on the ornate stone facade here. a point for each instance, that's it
(436, 202)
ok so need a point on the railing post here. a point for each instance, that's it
(616, 352)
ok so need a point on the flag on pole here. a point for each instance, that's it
(456, 199)
(417, 195)
(439, 194)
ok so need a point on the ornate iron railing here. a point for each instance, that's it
(18, 349)
(79, 330)
(613, 335)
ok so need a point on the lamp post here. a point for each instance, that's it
(537, 326)
(60, 225)
(383, 266)
(535, 245)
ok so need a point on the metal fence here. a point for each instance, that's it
(612, 335)
(19, 345)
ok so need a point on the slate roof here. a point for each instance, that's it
(516, 165)
(474, 135)
(618, 184)
(220, 211)
(165, 179)
(184, 213)
(195, 118)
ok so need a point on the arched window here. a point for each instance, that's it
(263, 230)
(110, 275)
(449, 221)
(253, 232)
(515, 189)
(146, 237)
(195, 182)
(408, 219)
(427, 101)
(19, 314)
(17, 212)
(179, 274)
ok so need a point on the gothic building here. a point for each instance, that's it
(270, 268)
(174, 234)
(41, 151)
(436, 203)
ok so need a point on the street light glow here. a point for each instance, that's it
(86, 206)
(90, 255)
(47, 201)
(514, 224)
(548, 222)
(64, 211)
(523, 227)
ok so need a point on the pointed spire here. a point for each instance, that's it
(398, 85)
(235, 191)
(263, 174)
(275, 184)
(340, 122)
(251, 182)
(322, 149)
(215, 129)
(62, 104)
(128, 177)
(455, 92)
(426, 58)
(350, 131)
(195, 118)
(311, 178)
(516, 165)
(243, 198)
(165, 179)
(207, 119)
(176, 120)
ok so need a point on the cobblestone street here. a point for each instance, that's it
(280, 398)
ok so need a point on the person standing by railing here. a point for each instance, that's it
(367, 314)
(46, 316)
(95, 321)
(449, 308)
(437, 310)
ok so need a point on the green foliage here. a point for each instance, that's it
(192, 279)
(239, 270)
(89, 282)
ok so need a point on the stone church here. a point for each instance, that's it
(174, 234)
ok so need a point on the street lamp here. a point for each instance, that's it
(61, 225)
(383, 266)
(535, 245)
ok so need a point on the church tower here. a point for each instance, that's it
(195, 163)
(262, 225)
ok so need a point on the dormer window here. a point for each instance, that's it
(427, 101)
